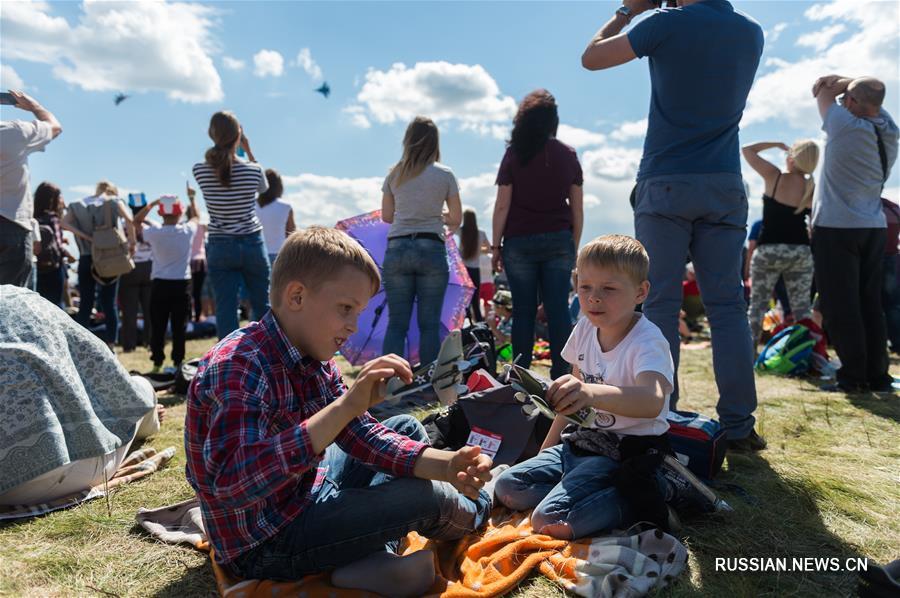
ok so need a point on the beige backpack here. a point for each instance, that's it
(109, 248)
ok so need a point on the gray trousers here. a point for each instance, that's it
(704, 216)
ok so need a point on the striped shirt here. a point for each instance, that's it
(232, 209)
(249, 454)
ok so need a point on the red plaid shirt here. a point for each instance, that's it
(249, 455)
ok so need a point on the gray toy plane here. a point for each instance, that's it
(444, 374)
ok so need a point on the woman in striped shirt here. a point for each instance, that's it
(235, 250)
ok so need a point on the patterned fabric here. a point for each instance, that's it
(249, 455)
(795, 263)
(63, 394)
(491, 563)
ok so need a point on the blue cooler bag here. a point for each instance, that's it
(698, 442)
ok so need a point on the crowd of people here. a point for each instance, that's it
(268, 407)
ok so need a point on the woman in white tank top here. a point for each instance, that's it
(275, 214)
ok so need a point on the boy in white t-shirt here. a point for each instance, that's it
(170, 294)
(622, 368)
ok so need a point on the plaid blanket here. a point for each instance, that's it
(490, 563)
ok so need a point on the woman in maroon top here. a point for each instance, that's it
(538, 218)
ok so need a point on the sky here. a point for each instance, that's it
(464, 64)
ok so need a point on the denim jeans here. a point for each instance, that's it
(232, 259)
(704, 215)
(415, 271)
(50, 284)
(890, 297)
(16, 251)
(88, 289)
(358, 512)
(566, 489)
(539, 269)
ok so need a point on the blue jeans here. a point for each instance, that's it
(706, 215)
(88, 289)
(358, 512)
(539, 269)
(890, 299)
(415, 271)
(572, 495)
(230, 260)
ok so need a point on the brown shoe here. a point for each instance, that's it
(753, 442)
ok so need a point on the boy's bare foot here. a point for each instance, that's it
(388, 574)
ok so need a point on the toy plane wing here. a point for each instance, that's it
(444, 374)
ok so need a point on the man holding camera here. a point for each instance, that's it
(849, 227)
(690, 198)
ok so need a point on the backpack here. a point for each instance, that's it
(698, 442)
(109, 248)
(478, 341)
(790, 352)
(50, 257)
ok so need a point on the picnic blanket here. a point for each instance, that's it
(63, 394)
(490, 563)
(137, 465)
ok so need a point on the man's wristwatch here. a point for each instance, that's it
(625, 12)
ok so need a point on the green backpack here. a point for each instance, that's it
(788, 353)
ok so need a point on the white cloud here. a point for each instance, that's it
(128, 46)
(579, 138)
(460, 93)
(233, 64)
(870, 48)
(821, 39)
(9, 78)
(630, 130)
(306, 62)
(268, 63)
(611, 163)
(358, 116)
(320, 199)
(773, 35)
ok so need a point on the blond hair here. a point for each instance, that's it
(105, 188)
(619, 252)
(317, 254)
(421, 147)
(805, 155)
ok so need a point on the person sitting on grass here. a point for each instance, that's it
(170, 292)
(293, 475)
(499, 319)
(622, 369)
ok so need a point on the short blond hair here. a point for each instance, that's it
(318, 254)
(620, 252)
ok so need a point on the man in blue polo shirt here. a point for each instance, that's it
(703, 56)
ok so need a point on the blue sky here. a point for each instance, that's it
(466, 64)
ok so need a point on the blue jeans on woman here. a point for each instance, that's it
(539, 269)
(87, 288)
(357, 511)
(415, 271)
(572, 494)
(230, 260)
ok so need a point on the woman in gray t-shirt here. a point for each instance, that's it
(415, 263)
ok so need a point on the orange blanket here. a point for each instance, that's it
(495, 561)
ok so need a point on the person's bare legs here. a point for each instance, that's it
(388, 574)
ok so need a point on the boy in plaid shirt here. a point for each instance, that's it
(294, 476)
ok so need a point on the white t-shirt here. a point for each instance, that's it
(18, 139)
(171, 245)
(274, 217)
(644, 349)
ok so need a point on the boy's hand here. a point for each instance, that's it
(369, 388)
(468, 470)
(567, 395)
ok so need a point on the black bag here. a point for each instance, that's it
(478, 339)
(184, 375)
(493, 413)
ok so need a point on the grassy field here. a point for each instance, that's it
(829, 485)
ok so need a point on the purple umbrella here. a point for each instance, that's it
(366, 344)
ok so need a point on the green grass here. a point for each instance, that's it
(827, 486)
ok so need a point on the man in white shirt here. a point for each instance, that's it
(18, 139)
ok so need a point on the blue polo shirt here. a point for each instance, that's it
(703, 59)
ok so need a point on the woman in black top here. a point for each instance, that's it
(783, 245)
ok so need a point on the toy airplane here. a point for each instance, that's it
(324, 89)
(444, 374)
(120, 97)
(531, 395)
